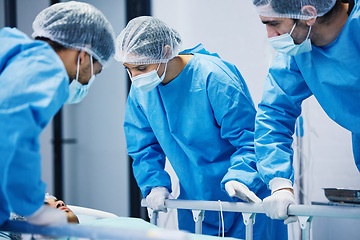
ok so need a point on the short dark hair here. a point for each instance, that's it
(281, 6)
(56, 46)
(329, 15)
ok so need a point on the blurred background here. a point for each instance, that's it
(84, 158)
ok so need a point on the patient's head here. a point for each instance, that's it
(57, 203)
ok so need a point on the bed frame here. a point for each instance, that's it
(305, 214)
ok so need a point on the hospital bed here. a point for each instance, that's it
(304, 212)
(85, 214)
(96, 224)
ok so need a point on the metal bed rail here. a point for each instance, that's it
(305, 213)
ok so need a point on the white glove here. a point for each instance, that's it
(239, 190)
(276, 205)
(47, 215)
(156, 198)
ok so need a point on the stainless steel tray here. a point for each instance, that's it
(342, 195)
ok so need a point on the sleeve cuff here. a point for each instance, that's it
(279, 183)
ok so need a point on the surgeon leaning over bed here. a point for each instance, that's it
(36, 78)
(195, 109)
(319, 54)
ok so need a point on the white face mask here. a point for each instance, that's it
(147, 81)
(77, 91)
(285, 44)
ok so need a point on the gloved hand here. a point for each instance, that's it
(156, 198)
(239, 190)
(276, 205)
(47, 215)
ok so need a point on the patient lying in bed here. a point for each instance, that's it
(129, 223)
(109, 220)
(57, 203)
(52, 202)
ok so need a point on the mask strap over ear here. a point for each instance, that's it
(292, 29)
(307, 37)
(78, 67)
(92, 65)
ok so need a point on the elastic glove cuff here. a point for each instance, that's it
(279, 183)
(163, 190)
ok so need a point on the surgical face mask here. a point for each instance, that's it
(285, 44)
(77, 91)
(147, 81)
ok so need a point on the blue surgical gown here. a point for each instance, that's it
(33, 86)
(331, 74)
(203, 121)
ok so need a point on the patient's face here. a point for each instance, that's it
(61, 205)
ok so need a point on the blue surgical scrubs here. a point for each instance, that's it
(331, 74)
(203, 121)
(33, 86)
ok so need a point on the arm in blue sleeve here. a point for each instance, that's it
(143, 147)
(235, 113)
(278, 110)
(36, 86)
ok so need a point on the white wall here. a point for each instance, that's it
(328, 163)
(233, 29)
(230, 28)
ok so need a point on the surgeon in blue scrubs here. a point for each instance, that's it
(318, 44)
(36, 78)
(196, 110)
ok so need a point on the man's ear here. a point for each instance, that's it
(84, 58)
(311, 12)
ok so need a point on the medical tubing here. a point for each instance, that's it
(222, 220)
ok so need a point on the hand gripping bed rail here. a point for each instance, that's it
(91, 232)
(305, 213)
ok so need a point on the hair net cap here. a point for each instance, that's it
(49, 196)
(79, 26)
(292, 8)
(147, 40)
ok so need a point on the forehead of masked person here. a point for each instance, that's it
(135, 70)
